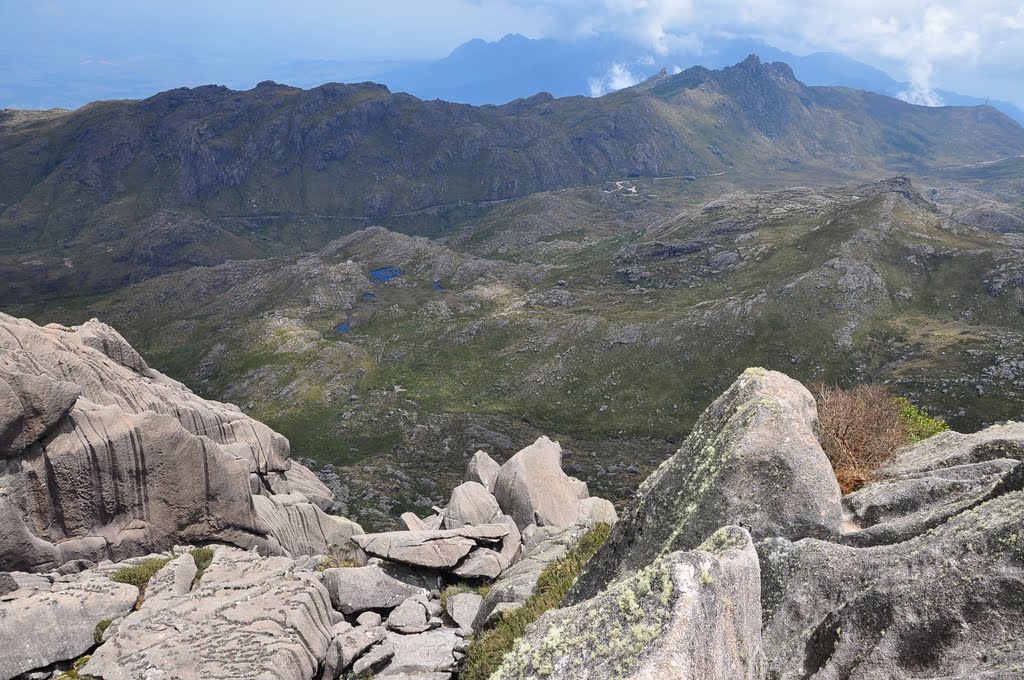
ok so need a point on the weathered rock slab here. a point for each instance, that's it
(248, 617)
(441, 549)
(57, 622)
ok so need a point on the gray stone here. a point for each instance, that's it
(687, 615)
(481, 563)
(355, 642)
(533, 489)
(356, 589)
(7, 583)
(369, 619)
(57, 622)
(463, 608)
(302, 528)
(752, 459)
(181, 469)
(518, 582)
(442, 549)
(410, 522)
(471, 504)
(372, 662)
(425, 653)
(483, 470)
(410, 616)
(512, 544)
(248, 616)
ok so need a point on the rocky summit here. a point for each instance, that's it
(150, 533)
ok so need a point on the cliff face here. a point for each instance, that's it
(101, 457)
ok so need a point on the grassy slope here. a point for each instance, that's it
(539, 328)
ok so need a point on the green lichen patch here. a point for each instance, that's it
(608, 634)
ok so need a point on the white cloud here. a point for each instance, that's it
(925, 39)
(617, 77)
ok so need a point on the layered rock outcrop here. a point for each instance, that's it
(926, 578)
(102, 457)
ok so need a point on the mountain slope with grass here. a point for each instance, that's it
(604, 316)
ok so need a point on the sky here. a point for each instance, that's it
(48, 48)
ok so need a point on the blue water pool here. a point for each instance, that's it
(385, 274)
(346, 326)
(438, 286)
(369, 296)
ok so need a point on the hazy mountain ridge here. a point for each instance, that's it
(277, 169)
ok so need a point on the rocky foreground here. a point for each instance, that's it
(737, 559)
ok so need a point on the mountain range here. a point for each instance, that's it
(392, 283)
(119, 191)
(485, 72)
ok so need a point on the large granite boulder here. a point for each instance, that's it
(103, 458)
(471, 504)
(753, 460)
(247, 617)
(483, 470)
(533, 489)
(358, 589)
(44, 623)
(687, 615)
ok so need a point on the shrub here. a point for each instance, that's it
(919, 425)
(485, 654)
(139, 574)
(101, 628)
(862, 427)
(203, 557)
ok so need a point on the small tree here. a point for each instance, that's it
(861, 428)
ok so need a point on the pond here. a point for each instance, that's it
(346, 326)
(438, 286)
(385, 274)
(369, 296)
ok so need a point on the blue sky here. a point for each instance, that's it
(50, 50)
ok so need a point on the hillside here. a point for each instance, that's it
(116, 192)
(604, 316)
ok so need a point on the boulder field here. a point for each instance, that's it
(737, 558)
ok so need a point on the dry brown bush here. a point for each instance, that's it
(861, 428)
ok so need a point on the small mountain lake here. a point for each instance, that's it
(385, 274)
(346, 326)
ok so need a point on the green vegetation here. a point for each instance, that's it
(101, 628)
(203, 557)
(73, 674)
(589, 315)
(485, 654)
(917, 423)
(139, 574)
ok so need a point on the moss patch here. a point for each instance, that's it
(486, 653)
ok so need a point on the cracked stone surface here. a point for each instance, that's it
(248, 617)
